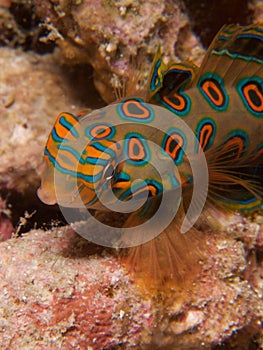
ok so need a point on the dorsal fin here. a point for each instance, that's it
(157, 73)
(176, 79)
(141, 83)
(232, 43)
(162, 79)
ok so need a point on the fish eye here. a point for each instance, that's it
(109, 172)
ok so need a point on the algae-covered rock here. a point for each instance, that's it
(33, 91)
(107, 34)
(60, 291)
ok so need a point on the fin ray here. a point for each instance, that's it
(171, 258)
(232, 43)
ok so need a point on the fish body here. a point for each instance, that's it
(222, 102)
(111, 151)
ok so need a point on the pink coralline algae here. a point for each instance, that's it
(60, 291)
(66, 295)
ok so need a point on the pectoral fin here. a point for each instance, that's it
(169, 259)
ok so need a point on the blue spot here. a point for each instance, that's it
(88, 131)
(240, 86)
(136, 115)
(211, 96)
(200, 128)
(167, 150)
(130, 149)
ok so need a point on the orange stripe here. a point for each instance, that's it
(180, 143)
(246, 90)
(94, 132)
(132, 143)
(63, 132)
(179, 107)
(205, 137)
(208, 84)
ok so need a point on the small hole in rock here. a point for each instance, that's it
(81, 76)
(27, 208)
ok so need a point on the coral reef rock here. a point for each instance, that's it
(32, 94)
(107, 34)
(60, 291)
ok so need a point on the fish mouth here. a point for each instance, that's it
(51, 196)
(47, 196)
